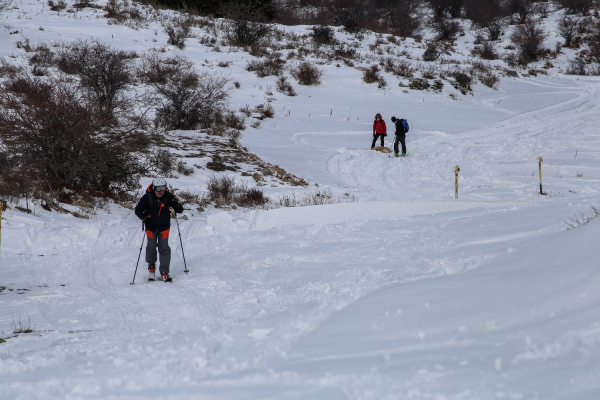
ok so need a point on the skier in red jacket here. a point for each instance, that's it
(379, 130)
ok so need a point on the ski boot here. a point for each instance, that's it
(403, 154)
(166, 278)
(396, 155)
(151, 270)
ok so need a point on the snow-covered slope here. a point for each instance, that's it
(405, 293)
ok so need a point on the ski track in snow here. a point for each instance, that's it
(404, 294)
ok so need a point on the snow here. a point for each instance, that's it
(405, 293)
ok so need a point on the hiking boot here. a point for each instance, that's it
(151, 270)
(403, 154)
(396, 155)
(166, 278)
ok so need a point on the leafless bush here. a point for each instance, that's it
(163, 162)
(266, 67)
(54, 132)
(187, 99)
(371, 74)
(5, 4)
(250, 198)
(404, 68)
(419, 84)
(462, 80)
(183, 169)
(285, 87)
(306, 73)
(568, 28)
(582, 7)
(584, 220)
(486, 51)
(489, 79)
(432, 53)
(577, 66)
(105, 71)
(7, 68)
(246, 23)
(447, 29)
(323, 34)
(528, 38)
(58, 6)
(124, 12)
(224, 190)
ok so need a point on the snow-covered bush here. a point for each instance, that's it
(528, 38)
(306, 73)
(185, 98)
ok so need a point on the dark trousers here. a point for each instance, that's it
(402, 139)
(379, 135)
(160, 241)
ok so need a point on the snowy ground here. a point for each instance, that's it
(405, 293)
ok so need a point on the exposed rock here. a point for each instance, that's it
(258, 177)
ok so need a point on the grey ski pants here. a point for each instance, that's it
(159, 240)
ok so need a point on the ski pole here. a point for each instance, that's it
(138, 261)
(181, 243)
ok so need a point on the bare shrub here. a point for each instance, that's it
(582, 7)
(125, 13)
(371, 74)
(54, 132)
(246, 23)
(222, 187)
(187, 99)
(183, 169)
(107, 72)
(568, 28)
(419, 84)
(528, 38)
(489, 79)
(306, 73)
(322, 34)
(58, 6)
(432, 53)
(447, 29)
(7, 68)
(250, 198)
(5, 4)
(163, 162)
(177, 35)
(486, 51)
(285, 87)
(462, 80)
(577, 66)
(403, 18)
(404, 68)
(266, 67)
(224, 190)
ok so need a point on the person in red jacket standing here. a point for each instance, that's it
(379, 130)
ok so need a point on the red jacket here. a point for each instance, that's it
(379, 127)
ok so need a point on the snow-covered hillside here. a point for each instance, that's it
(396, 290)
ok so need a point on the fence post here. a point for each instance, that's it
(1, 207)
(540, 166)
(456, 169)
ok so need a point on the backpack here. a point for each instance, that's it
(405, 125)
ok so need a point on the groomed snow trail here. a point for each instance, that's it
(404, 294)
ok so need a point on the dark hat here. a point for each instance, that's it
(393, 119)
